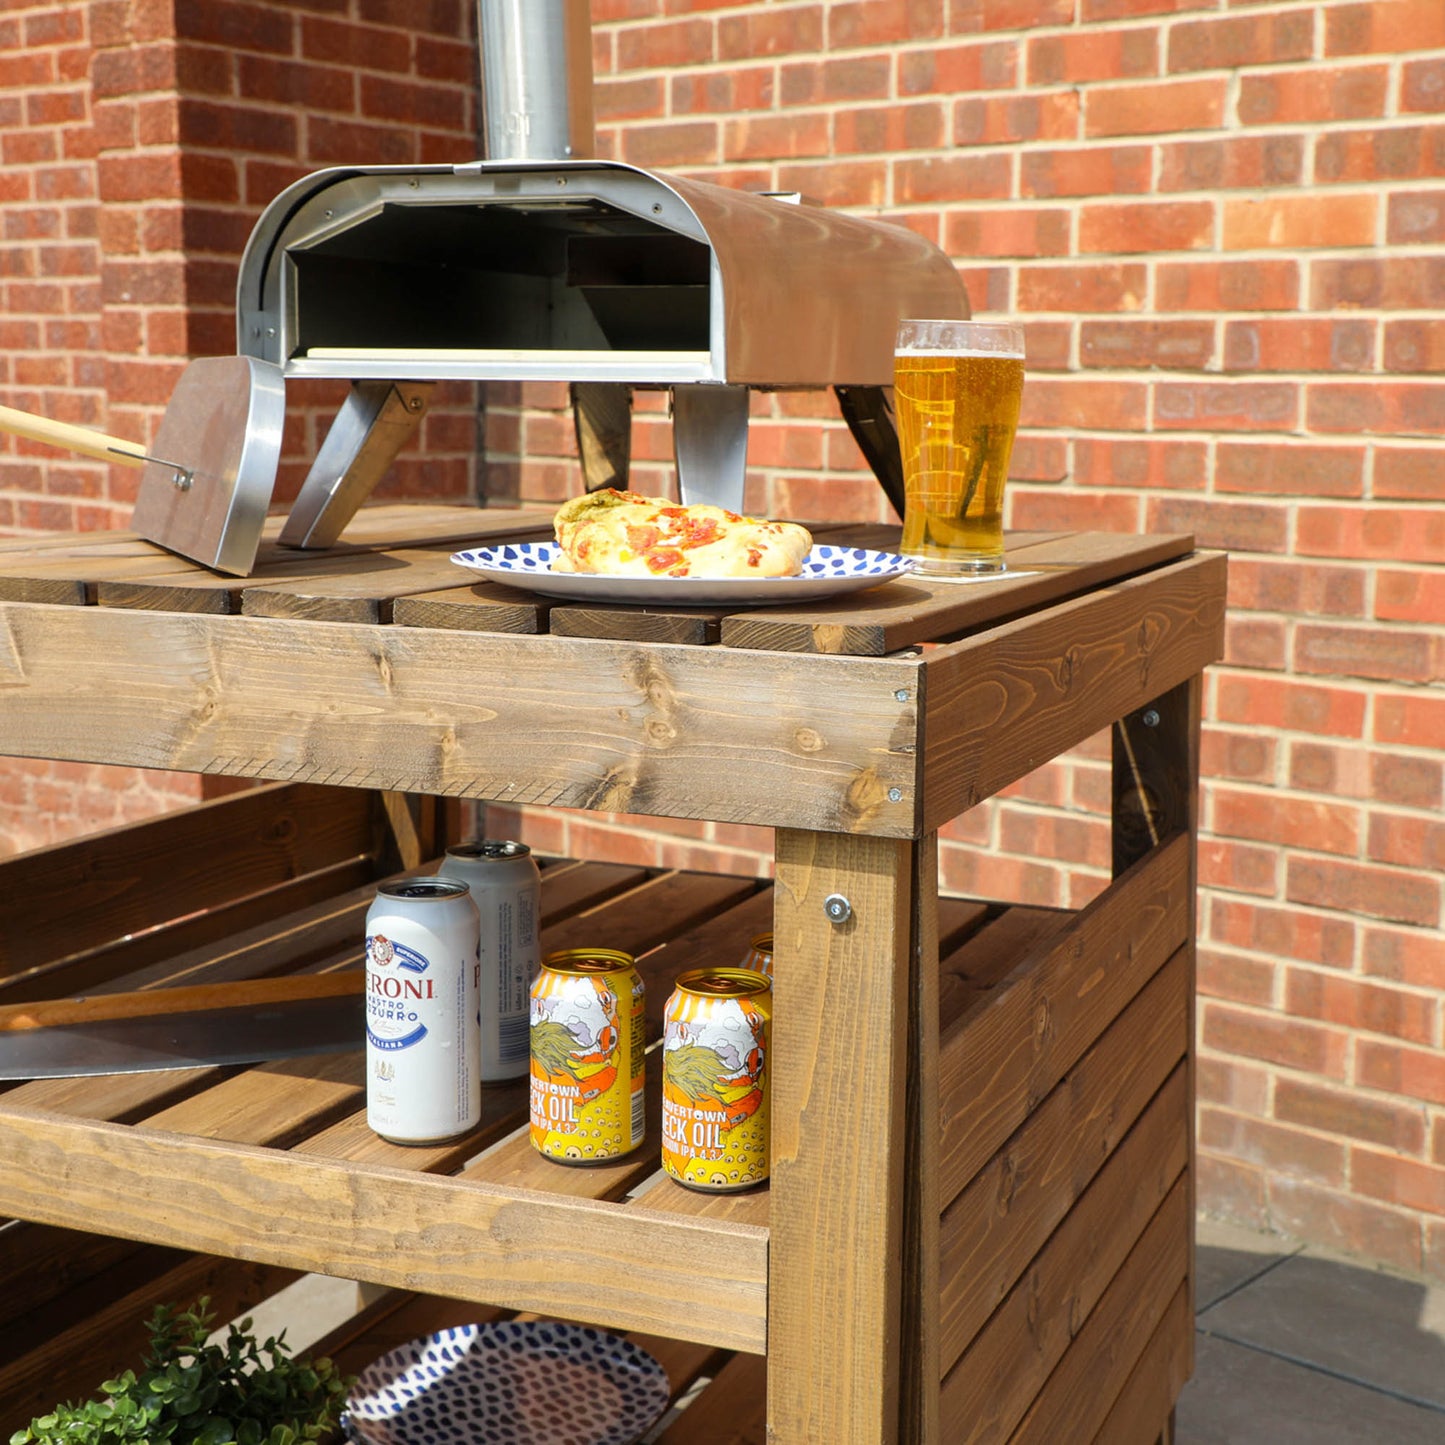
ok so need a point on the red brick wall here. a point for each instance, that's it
(1224, 227)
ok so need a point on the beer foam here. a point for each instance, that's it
(974, 351)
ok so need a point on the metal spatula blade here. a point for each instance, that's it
(220, 445)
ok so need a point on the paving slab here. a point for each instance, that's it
(1242, 1396)
(1355, 1322)
(1229, 1256)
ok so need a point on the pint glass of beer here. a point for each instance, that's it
(956, 390)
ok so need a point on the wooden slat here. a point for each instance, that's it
(1021, 1042)
(915, 609)
(841, 995)
(693, 628)
(1000, 704)
(1010, 1208)
(482, 607)
(1143, 1414)
(996, 1381)
(972, 968)
(1083, 1388)
(695, 1280)
(59, 900)
(675, 731)
(731, 1411)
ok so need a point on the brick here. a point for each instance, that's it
(1409, 474)
(1011, 120)
(839, 183)
(1226, 405)
(1415, 219)
(1245, 756)
(1145, 109)
(339, 142)
(1231, 1190)
(1399, 1181)
(1237, 867)
(1304, 1156)
(1321, 938)
(868, 129)
(670, 144)
(1054, 835)
(1395, 895)
(952, 69)
(665, 45)
(1399, 534)
(1276, 1039)
(1385, 283)
(1384, 26)
(411, 103)
(1267, 817)
(1017, 231)
(1408, 956)
(1410, 596)
(1286, 469)
(745, 88)
(1408, 841)
(1295, 706)
(1299, 344)
(986, 875)
(1417, 345)
(1238, 162)
(1074, 289)
(1396, 153)
(780, 30)
(1229, 44)
(953, 179)
(1148, 462)
(1349, 1225)
(1233, 1084)
(1413, 782)
(1260, 643)
(1084, 403)
(1012, 14)
(1300, 96)
(1236, 978)
(815, 82)
(1095, 171)
(1368, 1007)
(1300, 222)
(1039, 459)
(1215, 285)
(1422, 85)
(1410, 720)
(882, 22)
(1127, 344)
(1416, 1073)
(1146, 226)
(1081, 56)
(1389, 409)
(1050, 510)
(1264, 584)
(1390, 654)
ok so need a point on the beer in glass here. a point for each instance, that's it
(956, 391)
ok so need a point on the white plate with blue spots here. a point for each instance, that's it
(828, 571)
(510, 1382)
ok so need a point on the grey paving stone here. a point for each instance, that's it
(1228, 1256)
(1239, 1396)
(1356, 1322)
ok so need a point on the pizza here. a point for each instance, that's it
(622, 534)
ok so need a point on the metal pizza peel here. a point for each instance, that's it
(207, 483)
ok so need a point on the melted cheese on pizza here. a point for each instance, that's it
(622, 534)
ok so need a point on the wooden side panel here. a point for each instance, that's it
(1001, 704)
(841, 997)
(1090, 1378)
(997, 1225)
(1143, 1413)
(1004, 1369)
(731, 1411)
(1021, 1040)
(61, 900)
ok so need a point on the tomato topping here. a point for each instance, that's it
(640, 538)
(755, 557)
(665, 559)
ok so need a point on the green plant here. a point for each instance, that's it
(193, 1393)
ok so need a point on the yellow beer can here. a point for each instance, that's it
(759, 956)
(588, 1055)
(715, 1075)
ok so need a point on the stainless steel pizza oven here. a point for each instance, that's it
(543, 262)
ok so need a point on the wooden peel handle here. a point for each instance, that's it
(188, 998)
(72, 438)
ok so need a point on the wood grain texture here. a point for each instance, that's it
(483, 607)
(731, 1411)
(1144, 1411)
(676, 731)
(694, 628)
(1005, 1367)
(1002, 1219)
(840, 1041)
(1016, 1047)
(912, 609)
(692, 1279)
(1002, 703)
(61, 900)
(1079, 1394)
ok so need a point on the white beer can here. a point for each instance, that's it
(507, 889)
(423, 1029)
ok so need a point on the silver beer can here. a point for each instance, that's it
(423, 1027)
(506, 886)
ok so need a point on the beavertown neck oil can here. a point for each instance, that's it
(715, 1079)
(588, 1048)
(423, 1026)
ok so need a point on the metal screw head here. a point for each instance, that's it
(901, 694)
(895, 795)
(838, 909)
(1149, 717)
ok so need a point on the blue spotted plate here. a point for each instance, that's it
(510, 1382)
(828, 571)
